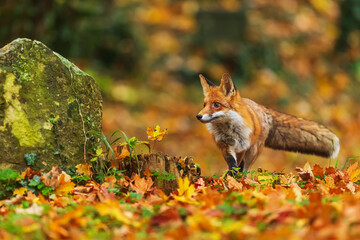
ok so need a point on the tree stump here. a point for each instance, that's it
(168, 169)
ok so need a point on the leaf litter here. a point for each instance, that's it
(316, 202)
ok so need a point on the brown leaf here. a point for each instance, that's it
(30, 173)
(233, 184)
(305, 176)
(50, 179)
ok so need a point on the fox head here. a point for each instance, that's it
(218, 100)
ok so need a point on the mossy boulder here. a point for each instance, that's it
(47, 108)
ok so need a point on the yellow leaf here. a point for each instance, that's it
(329, 182)
(84, 169)
(352, 168)
(355, 175)
(186, 189)
(20, 191)
(65, 188)
(112, 208)
(156, 133)
(265, 179)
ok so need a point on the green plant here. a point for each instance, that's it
(30, 158)
(164, 175)
(8, 179)
(100, 158)
(344, 166)
(132, 143)
(37, 186)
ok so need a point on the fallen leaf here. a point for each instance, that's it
(297, 191)
(233, 184)
(20, 191)
(141, 185)
(85, 169)
(148, 173)
(50, 179)
(330, 170)
(65, 188)
(64, 178)
(170, 215)
(112, 208)
(185, 190)
(317, 170)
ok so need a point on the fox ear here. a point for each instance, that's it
(206, 84)
(227, 86)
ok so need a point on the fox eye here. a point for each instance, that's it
(204, 104)
(216, 104)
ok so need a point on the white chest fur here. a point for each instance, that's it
(231, 131)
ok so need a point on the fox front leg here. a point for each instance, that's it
(233, 161)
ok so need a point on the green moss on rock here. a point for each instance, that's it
(41, 97)
(16, 118)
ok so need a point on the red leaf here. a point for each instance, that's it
(317, 170)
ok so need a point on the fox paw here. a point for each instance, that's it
(232, 172)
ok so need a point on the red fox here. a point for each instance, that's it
(241, 127)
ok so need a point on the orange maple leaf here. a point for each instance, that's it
(156, 133)
(317, 170)
(141, 185)
(353, 172)
(124, 153)
(64, 177)
(85, 169)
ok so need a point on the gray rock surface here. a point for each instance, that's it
(47, 107)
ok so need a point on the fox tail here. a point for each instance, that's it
(294, 134)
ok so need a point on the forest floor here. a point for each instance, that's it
(80, 203)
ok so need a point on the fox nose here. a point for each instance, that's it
(199, 116)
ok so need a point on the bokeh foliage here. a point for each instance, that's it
(300, 57)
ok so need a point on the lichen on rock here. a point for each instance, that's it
(47, 107)
(16, 117)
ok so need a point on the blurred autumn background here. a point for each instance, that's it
(297, 56)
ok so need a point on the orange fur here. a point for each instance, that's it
(241, 127)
